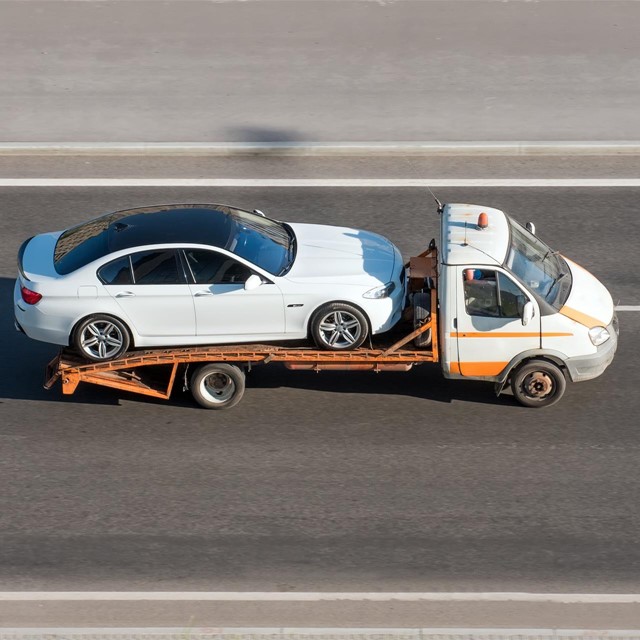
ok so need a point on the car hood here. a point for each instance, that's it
(589, 302)
(339, 254)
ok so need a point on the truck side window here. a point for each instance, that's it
(512, 298)
(491, 294)
(481, 293)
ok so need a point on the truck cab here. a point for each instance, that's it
(511, 309)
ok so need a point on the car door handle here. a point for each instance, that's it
(125, 294)
(198, 294)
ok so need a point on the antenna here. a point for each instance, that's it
(433, 195)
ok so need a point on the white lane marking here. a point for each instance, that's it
(331, 148)
(320, 182)
(627, 307)
(277, 596)
(271, 633)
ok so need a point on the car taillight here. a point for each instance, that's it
(30, 297)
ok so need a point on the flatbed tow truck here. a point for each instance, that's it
(492, 303)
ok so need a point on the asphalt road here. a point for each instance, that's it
(337, 481)
(273, 70)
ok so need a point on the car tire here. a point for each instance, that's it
(538, 383)
(421, 313)
(217, 386)
(101, 338)
(339, 326)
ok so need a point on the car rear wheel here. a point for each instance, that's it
(339, 326)
(101, 338)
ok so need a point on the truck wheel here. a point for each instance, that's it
(217, 386)
(101, 338)
(538, 383)
(421, 312)
(339, 326)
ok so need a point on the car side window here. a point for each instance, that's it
(116, 272)
(491, 294)
(157, 267)
(211, 267)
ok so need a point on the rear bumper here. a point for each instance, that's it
(31, 321)
(589, 367)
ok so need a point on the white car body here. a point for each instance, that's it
(331, 264)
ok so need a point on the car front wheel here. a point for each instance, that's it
(100, 338)
(339, 326)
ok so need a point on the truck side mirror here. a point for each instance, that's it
(528, 312)
(253, 282)
(531, 228)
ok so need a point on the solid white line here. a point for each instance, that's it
(309, 148)
(454, 633)
(320, 182)
(627, 307)
(273, 596)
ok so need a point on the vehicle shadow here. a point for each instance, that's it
(425, 382)
(23, 363)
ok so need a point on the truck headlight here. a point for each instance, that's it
(598, 335)
(380, 292)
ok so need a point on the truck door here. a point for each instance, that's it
(489, 327)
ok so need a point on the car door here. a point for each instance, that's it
(489, 327)
(224, 308)
(151, 289)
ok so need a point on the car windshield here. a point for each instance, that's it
(266, 243)
(537, 266)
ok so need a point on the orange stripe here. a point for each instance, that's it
(499, 334)
(582, 318)
(481, 368)
(477, 368)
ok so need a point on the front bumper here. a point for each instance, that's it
(588, 367)
(386, 312)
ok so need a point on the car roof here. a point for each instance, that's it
(209, 224)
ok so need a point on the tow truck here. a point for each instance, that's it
(490, 302)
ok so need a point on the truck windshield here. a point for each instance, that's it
(541, 269)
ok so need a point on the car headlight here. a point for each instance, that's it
(598, 335)
(380, 292)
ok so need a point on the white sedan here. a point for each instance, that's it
(191, 274)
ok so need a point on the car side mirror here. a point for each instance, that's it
(531, 228)
(252, 282)
(528, 312)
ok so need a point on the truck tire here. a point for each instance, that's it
(538, 383)
(421, 313)
(217, 386)
(339, 326)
